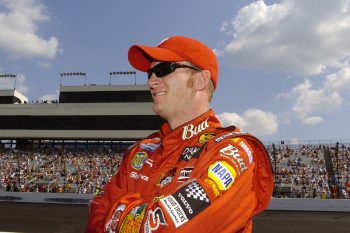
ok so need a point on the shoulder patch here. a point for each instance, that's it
(204, 137)
(241, 142)
(150, 144)
(229, 134)
(223, 174)
(232, 153)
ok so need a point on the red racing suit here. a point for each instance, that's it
(199, 177)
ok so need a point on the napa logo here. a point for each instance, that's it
(138, 160)
(223, 174)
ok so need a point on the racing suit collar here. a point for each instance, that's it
(207, 122)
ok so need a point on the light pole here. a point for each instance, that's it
(10, 76)
(275, 168)
(121, 73)
(337, 152)
(73, 74)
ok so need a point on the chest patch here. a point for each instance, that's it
(190, 152)
(167, 177)
(138, 160)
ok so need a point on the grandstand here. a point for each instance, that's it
(311, 171)
(75, 144)
(102, 115)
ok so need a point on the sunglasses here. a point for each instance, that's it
(165, 68)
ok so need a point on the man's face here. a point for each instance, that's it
(172, 94)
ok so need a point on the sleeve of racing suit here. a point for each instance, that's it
(100, 205)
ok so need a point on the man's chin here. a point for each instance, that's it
(157, 110)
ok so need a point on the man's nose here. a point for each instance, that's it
(153, 80)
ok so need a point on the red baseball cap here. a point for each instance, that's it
(175, 48)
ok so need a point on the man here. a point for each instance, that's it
(192, 175)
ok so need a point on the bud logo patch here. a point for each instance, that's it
(232, 153)
(190, 130)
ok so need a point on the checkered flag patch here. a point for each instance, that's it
(196, 191)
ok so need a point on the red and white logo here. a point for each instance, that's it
(233, 153)
(191, 130)
(154, 220)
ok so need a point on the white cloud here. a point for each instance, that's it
(9, 83)
(48, 97)
(224, 26)
(339, 81)
(254, 121)
(294, 141)
(325, 99)
(303, 37)
(19, 26)
(45, 65)
(218, 52)
(312, 120)
(21, 84)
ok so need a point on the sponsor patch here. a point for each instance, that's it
(149, 162)
(112, 224)
(138, 160)
(185, 173)
(137, 176)
(222, 137)
(151, 144)
(166, 178)
(205, 137)
(213, 186)
(232, 153)
(190, 130)
(247, 150)
(133, 220)
(223, 174)
(190, 152)
(175, 211)
(186, 203)
(155, 218)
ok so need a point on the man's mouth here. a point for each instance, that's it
(159, 93)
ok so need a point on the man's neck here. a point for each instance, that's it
(180, 119)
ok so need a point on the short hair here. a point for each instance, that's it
(211, 90)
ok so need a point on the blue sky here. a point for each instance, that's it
(284, 65)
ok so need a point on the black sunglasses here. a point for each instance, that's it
(165, 68)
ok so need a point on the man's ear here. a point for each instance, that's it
(201, 80)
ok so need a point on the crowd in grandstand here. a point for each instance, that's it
(55, 170)
(300, 171)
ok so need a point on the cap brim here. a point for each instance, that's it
(141, 57)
